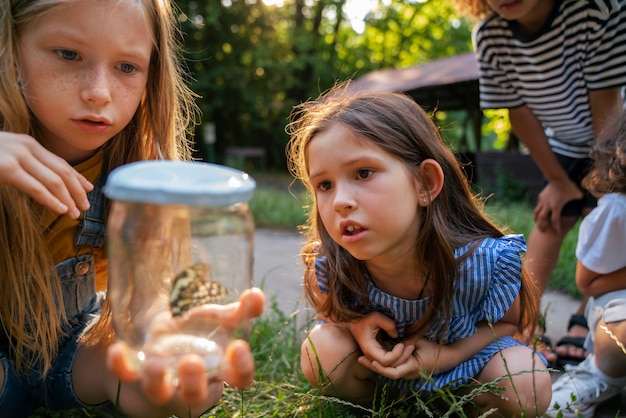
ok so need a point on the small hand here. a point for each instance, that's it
(369, 331)
(403, 366)
(418, 357)
(30, 168)
(193, 386)
(550, 203)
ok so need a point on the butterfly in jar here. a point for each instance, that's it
(193, 287)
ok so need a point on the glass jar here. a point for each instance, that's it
(180, 235)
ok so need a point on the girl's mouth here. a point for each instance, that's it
(351, 230)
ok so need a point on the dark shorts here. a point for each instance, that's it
(577, 169)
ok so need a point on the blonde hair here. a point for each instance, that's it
(31, 311)
(400, 127)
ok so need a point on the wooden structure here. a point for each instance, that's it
(443, 84)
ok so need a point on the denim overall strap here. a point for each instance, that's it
(78, 274)
(91, 229)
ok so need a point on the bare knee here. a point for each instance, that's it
(526, 389)
(608, 347)
(329, 362)
(326, 349)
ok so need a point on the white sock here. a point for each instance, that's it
(617, 382)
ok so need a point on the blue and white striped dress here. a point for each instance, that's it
(487, 285)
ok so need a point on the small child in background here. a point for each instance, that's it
(600, 276)
(408, 277)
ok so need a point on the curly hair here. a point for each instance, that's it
(608, 173)
(477, 9)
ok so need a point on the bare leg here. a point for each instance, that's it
(332, 350)
(544, 248)
(610, 357)
(543, 252)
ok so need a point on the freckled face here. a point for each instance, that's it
(367, 198)
(84, 69)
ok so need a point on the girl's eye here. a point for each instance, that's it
(127, 68)
(364, 173)
(324, 186)
(67, 54)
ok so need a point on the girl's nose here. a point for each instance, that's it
(97, 87)
(344, 199)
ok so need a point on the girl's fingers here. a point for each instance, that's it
(193, 386)
(36, 190)
(407, 353)
(249, 306)
(155, 384)
(118, 364)
(47, 178)
(61, 179)
(239, 371)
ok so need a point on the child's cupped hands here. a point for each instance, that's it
(375, 334)
(408, 359)
(47, 178)
(193, 388)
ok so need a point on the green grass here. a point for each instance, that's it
(280, 389)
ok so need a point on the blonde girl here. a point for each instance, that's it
(86, 86)
(409, 279)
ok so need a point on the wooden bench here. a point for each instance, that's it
(489, 167)
(248, 153)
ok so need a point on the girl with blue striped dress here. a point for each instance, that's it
(414, 287)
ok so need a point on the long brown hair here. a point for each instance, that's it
(399, 126)
(29, 288)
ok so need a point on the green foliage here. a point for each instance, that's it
(271, 208)
(251, 63)
(496, 129)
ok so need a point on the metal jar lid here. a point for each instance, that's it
(179, 182)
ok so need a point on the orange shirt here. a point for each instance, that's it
(62, 229)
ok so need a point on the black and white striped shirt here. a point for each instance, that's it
(581, 47)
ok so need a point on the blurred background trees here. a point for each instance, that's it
(251, 61)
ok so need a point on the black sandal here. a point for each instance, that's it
(581, 321)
